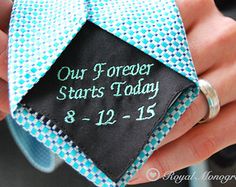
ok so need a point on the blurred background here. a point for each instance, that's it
(15, 170)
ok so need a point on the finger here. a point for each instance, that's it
(222, 79)
(5, 12)
(3, 66)
(212, 41)
(3, 55)
(2, 116)
(225, 87)
(197, 111)
(197, 145)
(3, 41)
(193, 11)
(4, 101)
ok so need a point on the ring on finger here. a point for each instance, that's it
(212, 99)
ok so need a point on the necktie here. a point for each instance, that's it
(46, 38)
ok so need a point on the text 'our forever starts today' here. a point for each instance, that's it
(102, 71)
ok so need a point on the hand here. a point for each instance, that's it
(5, 11)
(212, 39)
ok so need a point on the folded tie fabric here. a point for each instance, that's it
(99, 82)
(35, 152)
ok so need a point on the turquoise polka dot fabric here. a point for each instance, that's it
(39, 32)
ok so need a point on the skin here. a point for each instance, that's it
(5, 10)
(212, 39)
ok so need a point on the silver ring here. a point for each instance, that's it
(212, 99)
